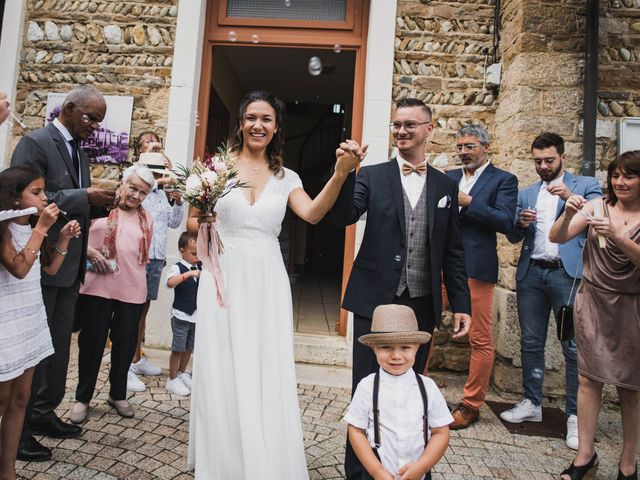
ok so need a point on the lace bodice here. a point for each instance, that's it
(238, 220)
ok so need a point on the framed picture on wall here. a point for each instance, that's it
(110, 142)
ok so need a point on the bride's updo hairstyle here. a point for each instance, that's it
(274, 149)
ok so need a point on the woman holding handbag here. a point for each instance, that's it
(607, 310)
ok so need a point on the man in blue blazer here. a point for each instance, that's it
(411, 243)
(487, 200)
(547, 276)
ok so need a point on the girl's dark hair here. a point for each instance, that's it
(629, 163)
(139, 138)
(13, 181)
(274, 149)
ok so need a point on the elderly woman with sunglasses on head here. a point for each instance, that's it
(114, 292)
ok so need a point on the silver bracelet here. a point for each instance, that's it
(60, 251)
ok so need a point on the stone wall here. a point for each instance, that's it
(121, 47)
(440, 52)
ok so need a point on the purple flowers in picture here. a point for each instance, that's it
(110, 142)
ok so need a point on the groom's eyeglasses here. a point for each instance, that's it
(409, 126)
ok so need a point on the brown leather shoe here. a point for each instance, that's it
(463, 416)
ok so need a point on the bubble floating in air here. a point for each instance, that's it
(315, 66)
(337, 48)
(233, 36)
(255, 38)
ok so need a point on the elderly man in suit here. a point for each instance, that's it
(55, 152)
(546, 275)
(487, 202)
(411, 242)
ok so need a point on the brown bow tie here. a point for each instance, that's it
(420, 169)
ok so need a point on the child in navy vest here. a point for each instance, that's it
(398, 420)
(183, 278)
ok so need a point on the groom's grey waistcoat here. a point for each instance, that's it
(416, 273)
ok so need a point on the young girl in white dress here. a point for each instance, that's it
(24, 333)
(245, 419)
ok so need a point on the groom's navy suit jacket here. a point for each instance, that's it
(377, 191)
(492, 210)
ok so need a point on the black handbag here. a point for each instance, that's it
(564, 319)
(564, 323)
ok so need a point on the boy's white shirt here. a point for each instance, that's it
(179, 314)
(401, 410)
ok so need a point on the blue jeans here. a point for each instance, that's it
(540, 290)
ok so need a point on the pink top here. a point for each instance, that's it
(129, 283)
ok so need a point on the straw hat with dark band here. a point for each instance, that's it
(154, 161)
(394, 324)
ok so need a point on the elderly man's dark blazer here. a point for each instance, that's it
(45, 150)
(377, 191)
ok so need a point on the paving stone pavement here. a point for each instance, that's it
(153, 444)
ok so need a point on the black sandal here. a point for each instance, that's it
(633, 476)
(580, 472)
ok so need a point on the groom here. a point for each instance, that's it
(411, 243)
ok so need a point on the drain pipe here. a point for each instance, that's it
(590, 106)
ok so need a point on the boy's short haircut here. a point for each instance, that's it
(185, 238)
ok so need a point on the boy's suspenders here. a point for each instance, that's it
(376, 412)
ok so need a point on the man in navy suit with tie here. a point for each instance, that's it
(487, 202)
(546, 276)
(411, 242)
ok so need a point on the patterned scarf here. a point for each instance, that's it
(109, 245)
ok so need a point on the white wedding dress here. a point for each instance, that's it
(245, 420)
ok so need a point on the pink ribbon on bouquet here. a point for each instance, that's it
(207, 248)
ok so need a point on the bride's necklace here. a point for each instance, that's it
(256, 170)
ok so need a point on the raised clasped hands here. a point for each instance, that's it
(461, 324)
(349, 155)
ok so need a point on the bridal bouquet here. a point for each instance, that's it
(207, 181)
(202, 186)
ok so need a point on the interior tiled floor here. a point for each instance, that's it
(316, 303)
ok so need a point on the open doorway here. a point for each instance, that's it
(319, 101)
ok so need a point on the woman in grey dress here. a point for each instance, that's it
(607, 310)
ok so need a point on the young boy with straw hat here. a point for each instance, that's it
(398, 419)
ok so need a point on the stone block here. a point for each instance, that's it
(509, 379)
(515, 99)
(544, 70)
(565, 102)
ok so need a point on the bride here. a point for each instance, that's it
(245, 419)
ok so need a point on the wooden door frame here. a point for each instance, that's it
(350, 35)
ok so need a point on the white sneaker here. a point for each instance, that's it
(145, 367)
(572, 432)
(525, 411)
(185, 377)
(134, 384)
(176, 387)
